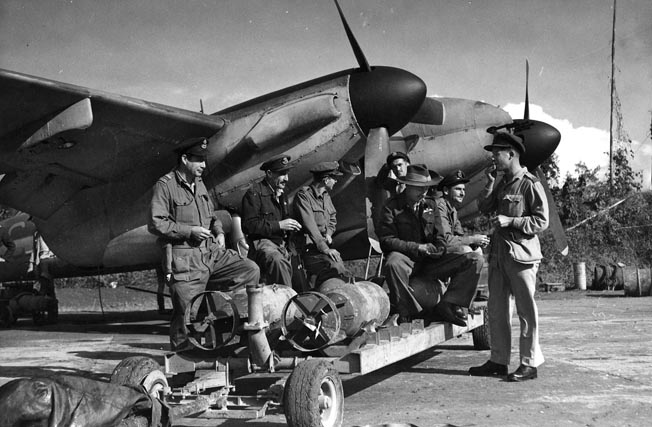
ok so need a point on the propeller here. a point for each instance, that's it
(376, 151)
(540, 141)
(357, 51)
(398, 89)
(383, 100)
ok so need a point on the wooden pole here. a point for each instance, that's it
(611, 105)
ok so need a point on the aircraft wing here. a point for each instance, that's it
(57, 139)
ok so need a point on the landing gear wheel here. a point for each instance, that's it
(310, 321)
(6, 316)
(140, 371)
(48, 315)
(210, 317)
(313, 395)
(482, 334)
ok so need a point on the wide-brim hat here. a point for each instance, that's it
(420, 176)
(452, 179)
(504, 139)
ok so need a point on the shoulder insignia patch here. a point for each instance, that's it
(165, 178)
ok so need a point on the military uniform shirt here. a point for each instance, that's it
(261, 213)
(449, 228)
(317, 215)
(524, 199)
(176, 208)
(403, 230)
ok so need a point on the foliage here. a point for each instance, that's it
(604, 234)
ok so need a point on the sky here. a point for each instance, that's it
(227, 51)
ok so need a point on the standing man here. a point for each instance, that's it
(182, 216)
(448, 225)
(417, 261)
(315, 211)
(521, 209)
(267, 222)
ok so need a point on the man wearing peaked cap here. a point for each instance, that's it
(267, 221)
(453, 189)
(519, 211)
(279, 163)
(324, 169)
(195, 147)
(315, 211)
(183, 217)
(417, 261)
(506, 140)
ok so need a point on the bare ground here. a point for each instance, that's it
(597, 372)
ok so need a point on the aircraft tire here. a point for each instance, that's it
(482, 334)
(314, 396)
(140, 370)
(6, 316)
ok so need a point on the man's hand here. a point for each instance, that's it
(289, 224)
(490, 172)
(480, 240)
(2, 259)
(220, 241)
(334, 254)
(199, 233)
(502, 221)
(429, 250)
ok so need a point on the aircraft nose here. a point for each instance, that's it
(385, 97)
(540, 139)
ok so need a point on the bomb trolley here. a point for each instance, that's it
(288, 354)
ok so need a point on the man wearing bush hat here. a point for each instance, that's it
(183, 217)
(453, 190)
(417, 262)
(267, 222)
(519, 212)
(314, 209)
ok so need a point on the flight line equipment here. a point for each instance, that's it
(289, 354)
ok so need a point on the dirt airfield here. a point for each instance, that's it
(598, 369)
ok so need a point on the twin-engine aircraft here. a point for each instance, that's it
(80, 163)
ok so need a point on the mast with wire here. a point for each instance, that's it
(611, 107)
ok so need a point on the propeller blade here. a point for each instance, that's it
(431, 112)
(359, 55)
(376, 152)
(526, 113)
(554, 222)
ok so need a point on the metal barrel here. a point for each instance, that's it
(579, 271)
(637, 282)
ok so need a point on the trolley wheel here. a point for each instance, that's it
(482, 334)
(310, 321)
(139, 371)
(313, 395)
(211, 320)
